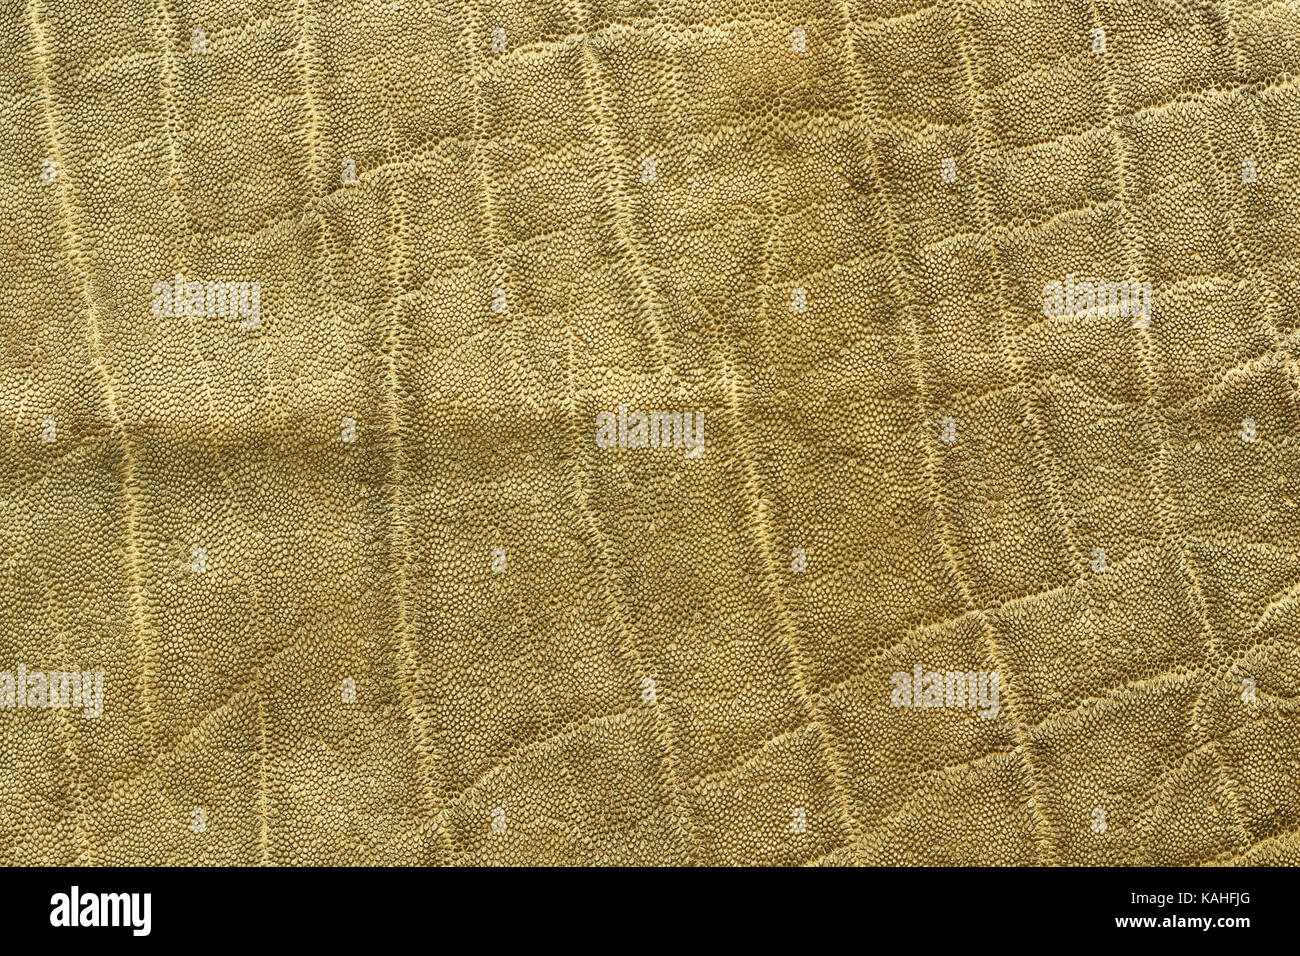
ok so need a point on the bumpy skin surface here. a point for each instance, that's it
(649, 679)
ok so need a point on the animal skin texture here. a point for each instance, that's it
(332, 333)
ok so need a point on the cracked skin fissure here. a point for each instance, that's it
(367, 585)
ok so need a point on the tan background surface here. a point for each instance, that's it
(524, 690)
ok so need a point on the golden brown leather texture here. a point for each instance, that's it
(825, 226)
